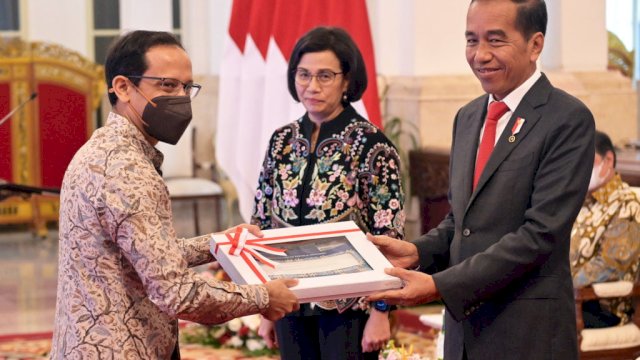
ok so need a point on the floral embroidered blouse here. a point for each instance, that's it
(605, 241)
(123, 276)
(353, 174)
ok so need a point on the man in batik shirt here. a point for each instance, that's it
(605, 240)
(124, 277)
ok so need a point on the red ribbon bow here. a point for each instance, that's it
(242, 247)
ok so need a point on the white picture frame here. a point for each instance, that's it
(331, 261)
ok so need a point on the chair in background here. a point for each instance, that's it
(230, 197)
(58, 90)
(429, 175)
(179, 172)
(616, 342)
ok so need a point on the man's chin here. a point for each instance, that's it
(490, 88)
(487, 86)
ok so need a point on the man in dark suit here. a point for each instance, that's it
(500, 259)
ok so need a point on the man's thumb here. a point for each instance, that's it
(290, 282)
(375, 240)
(397, 272)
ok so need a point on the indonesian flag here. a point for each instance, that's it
(253, 99)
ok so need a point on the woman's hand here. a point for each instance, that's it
(377, 331)
(268, 333)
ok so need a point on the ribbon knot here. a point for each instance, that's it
(238, 241)
(248, 249)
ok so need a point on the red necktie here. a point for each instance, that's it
(496, 110)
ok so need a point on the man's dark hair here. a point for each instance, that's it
(340, 43)
(531, 17)
(126, 55)
(604, 144)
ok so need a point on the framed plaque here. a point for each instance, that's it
(331, 261)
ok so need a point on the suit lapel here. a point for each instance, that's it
(468, 141)
(535, 97)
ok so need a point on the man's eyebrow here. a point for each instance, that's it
(498, 32)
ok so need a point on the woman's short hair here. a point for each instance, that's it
(127, 55)
(340, 43)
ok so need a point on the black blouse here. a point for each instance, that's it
(353, 174)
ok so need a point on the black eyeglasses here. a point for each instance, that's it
(172, 86)
(325, 77)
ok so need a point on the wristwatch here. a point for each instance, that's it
(382, 306)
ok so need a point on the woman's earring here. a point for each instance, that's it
(344, 97)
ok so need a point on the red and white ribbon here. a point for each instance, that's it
(517, 126)
(246, 249)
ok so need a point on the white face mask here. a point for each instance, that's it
(596, 180)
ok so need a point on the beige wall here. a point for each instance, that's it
(432, 102)
(205, 114)
(610, 97)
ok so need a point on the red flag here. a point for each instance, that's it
(254, 99)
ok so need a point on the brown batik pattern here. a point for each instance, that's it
(124, 277)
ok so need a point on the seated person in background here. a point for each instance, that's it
(605, 239)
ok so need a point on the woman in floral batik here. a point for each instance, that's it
(330, 165)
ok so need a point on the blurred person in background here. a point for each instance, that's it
(605, 240)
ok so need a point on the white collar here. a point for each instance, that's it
(513, 99)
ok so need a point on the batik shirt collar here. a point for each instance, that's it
(125, 128)
(603, 194)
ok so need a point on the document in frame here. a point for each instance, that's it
(317, 257)
(331, 261)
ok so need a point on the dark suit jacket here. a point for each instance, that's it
(500, 258)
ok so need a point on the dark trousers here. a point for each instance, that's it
(327, 336)
(595, 316)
